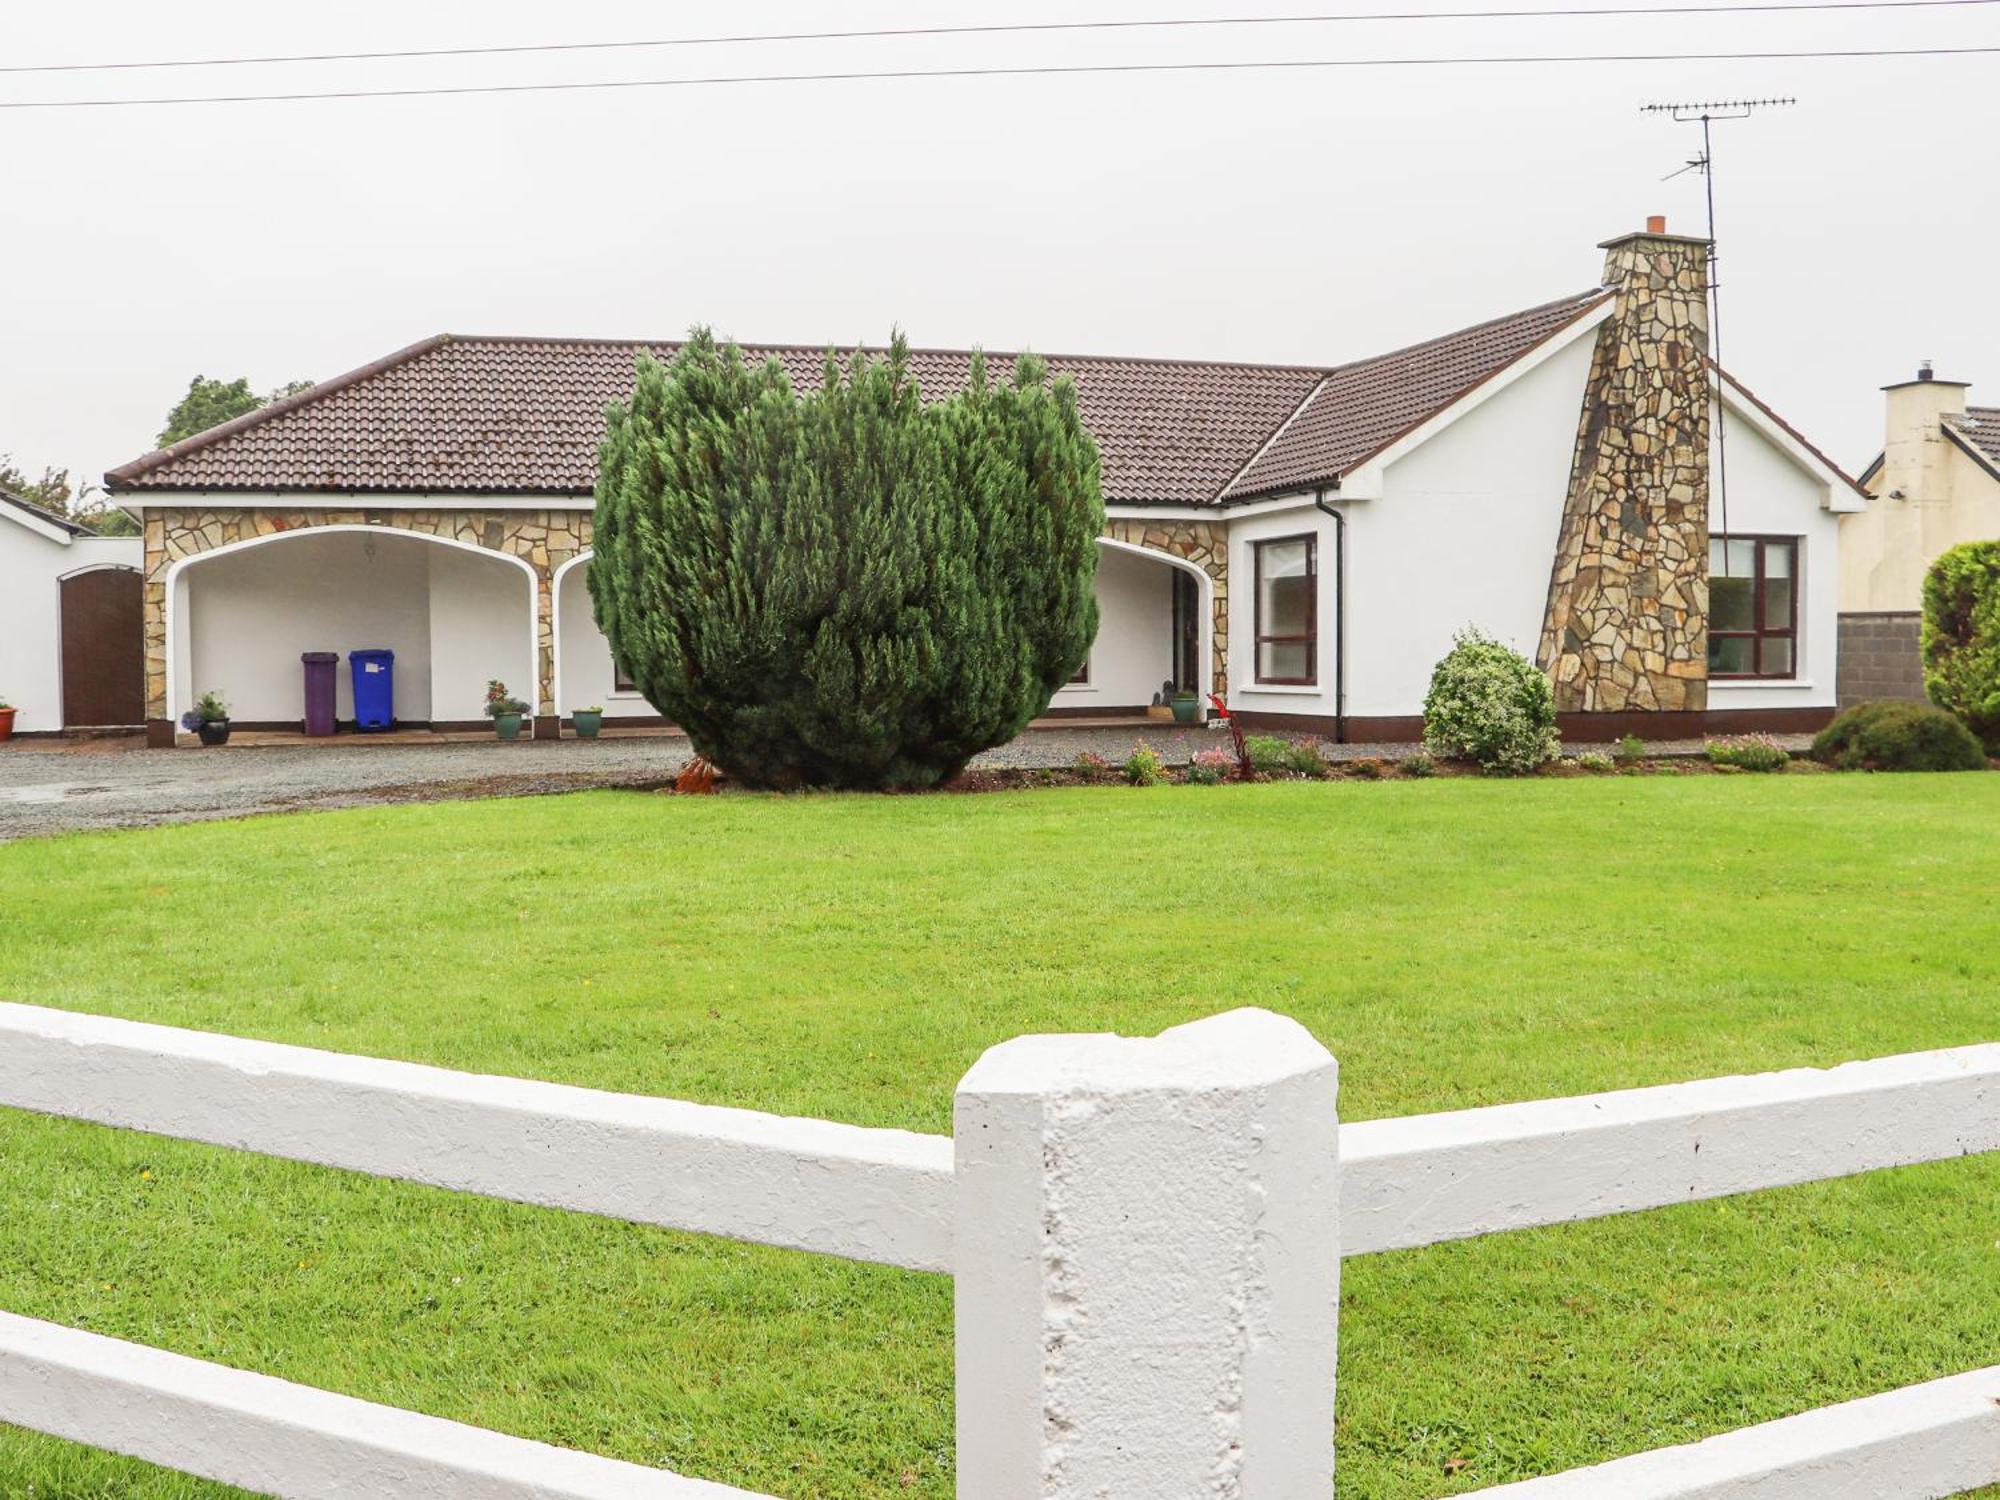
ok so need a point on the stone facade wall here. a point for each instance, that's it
(1880, 657)
(543, 539)
(1626, 626)
(1206, 545)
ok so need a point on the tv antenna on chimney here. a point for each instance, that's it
(1707, 112)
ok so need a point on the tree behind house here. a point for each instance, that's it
(209, 403)
(848, 588)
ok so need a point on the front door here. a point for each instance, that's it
(103, 649)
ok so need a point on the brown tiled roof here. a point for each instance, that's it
(524, 415)
(1979, 426)
(1361, 408)
(515, 414)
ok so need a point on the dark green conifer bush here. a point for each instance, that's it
(1961, 637)
(848, 588)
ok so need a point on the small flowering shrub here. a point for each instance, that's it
(1090, 766)
(500, 702)
(1749, 752)
(1142, 766)
(1210, 767)
(1596, 762)
(1420, 765)
(208, 709)
(1489, 704)
(1630, 749)
(1269, 755)
(1961, 637)
(1367, 768)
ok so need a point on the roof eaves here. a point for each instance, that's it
(1788, 429)
(128, 474)
(42, 519)
(1972, 449)
(1586, 306)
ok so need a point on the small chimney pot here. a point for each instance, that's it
(1656, 224)
(1924, 371)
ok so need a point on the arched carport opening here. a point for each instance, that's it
(1155, 618)
(456, 615)
(585, 674)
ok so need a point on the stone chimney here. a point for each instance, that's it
(1626, 628)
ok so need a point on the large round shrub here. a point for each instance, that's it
(845, 588)
(1961, 637)
(1898, 737)
(1492, 705)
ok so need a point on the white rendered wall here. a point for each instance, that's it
(1134, 650)
(1770, 495)
(251, 613)
(585, 674)
(1245, 692)
(31, 569)
(1463, 533)
(478, 632)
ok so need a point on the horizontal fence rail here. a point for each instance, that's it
(276, 1438)
(1426, 1178)
(876, 1195)
(1936, 1439)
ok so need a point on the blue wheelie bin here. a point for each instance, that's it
(374, 689)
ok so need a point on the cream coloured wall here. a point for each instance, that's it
(1918, 511)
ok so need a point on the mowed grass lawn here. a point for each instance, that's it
(1454, 942)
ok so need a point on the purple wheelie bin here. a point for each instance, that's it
(320, 679)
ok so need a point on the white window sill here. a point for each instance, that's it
(1759, 684)
(1074, 687)
(624, 697)
(1304, 690)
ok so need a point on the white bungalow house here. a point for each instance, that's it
(69, 623)
(1303, 540)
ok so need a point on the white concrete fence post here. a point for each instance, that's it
(1148, 1266)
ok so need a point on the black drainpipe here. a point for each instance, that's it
(1339, 614)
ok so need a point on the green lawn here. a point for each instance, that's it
(1454, 942)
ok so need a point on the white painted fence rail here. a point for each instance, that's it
(275, 1438)
(1142, 1233)
(880, 1195)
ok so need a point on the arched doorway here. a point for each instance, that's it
(103, 648)
(456, 614)
(585, 674)
(1153, 628)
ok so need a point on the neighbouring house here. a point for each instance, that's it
(70, 623)
(1936, 483)
(1303, 540)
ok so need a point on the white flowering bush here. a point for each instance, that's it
(1490, 704)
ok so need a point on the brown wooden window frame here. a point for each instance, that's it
(1258, 639)
(1758, 633)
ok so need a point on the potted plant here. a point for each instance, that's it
(209, 719)
(588, 721)
(1186, 705)
(6, 720)
(504, 710)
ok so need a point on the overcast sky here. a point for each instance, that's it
(1304, 216)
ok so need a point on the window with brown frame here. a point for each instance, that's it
(1753, 606)
(1082, 678)
(621, 680)
(1287, 610)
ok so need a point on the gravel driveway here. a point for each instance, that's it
(50, 788)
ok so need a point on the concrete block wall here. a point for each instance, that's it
(1880, 657)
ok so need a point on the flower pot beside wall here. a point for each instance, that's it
(213, 731)
(587, 721)
(507, 726)
(1186, 707)
(6, 723)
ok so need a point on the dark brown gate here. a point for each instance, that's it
(103, 648)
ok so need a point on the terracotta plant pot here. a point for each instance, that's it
(7, 723)
(507, 726)
(213, 731)
(587, 723)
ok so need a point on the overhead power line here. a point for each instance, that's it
(1758, 7)
(1036, 71)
